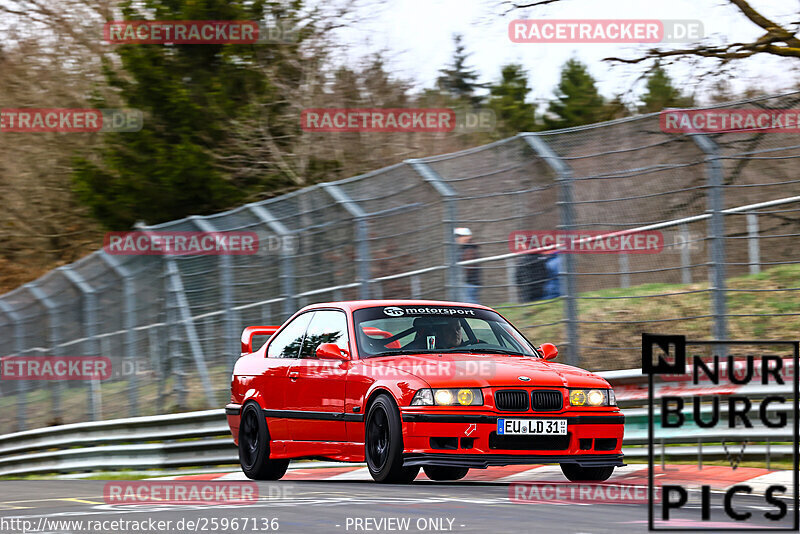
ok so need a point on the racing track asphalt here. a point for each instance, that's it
(330, 506)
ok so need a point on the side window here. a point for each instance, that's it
(327, 326)
(287, 343)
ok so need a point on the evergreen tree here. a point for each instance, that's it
(188, 94)
(661, 93)
(457, 80)
(507, 100)
(616, 108)
(577, 99)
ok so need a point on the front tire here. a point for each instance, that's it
(576, 473)
(444, 473)
(383, 444)
(254, 446)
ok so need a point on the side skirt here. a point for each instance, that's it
(339, 451)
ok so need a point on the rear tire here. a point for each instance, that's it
(576, 473)
(443, 473)
(383, 444)
(254, 446)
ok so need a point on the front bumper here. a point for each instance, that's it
(471, 439)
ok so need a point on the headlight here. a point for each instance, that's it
(592, 397)
(448, 397)
(443, 397)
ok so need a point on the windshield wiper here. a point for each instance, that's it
(498, 351)
(404, 352)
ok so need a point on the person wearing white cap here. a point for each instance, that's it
(472, 274)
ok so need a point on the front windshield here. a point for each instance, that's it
(387, 330)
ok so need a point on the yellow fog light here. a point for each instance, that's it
(465, 397)
(577, 397)
(596, 397)
(444, 397)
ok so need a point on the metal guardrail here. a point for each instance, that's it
(202, 439)
(117, 431)
(174, 440)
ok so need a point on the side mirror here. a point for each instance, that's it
(549, 351)
(331, 351)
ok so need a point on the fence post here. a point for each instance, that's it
(154, 348)
(19, 341)
(454, 287)
(686, 254)
(173, 363)
(230, 320)
(363, 271)
(287, 261)
(567, 213)
(511, 293)
(89, 298)
(717, 233)
(625, 271)
(129, 325)
(753, 252)
(699, 453)
(416, 287)
(53, 339)
(175, 288)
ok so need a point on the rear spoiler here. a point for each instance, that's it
(250, 331)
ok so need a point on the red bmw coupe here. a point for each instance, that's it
(404, 384)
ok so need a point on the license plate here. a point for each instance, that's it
(532, 426)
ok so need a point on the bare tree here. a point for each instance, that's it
(777, 39)
(51, 57)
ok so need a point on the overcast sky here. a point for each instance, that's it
(417, 34)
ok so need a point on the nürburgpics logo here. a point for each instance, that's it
(732, 397)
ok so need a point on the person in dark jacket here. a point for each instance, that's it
(467, 250)
(537, 276)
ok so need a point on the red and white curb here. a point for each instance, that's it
(718, 477)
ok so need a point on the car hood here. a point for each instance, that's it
(487, 370)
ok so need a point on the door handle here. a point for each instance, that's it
(293, 375)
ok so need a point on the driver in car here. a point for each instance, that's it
(448, 336)
(442, 334)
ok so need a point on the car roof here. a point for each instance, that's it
(352, 305)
